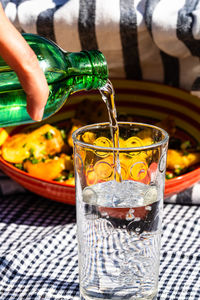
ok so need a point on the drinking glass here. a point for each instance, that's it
(119, 202)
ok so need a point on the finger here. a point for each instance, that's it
(21, 58)
(37, 91)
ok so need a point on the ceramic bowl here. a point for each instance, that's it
(149, 103)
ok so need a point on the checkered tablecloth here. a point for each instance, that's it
(38, 250)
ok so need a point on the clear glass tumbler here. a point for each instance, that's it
(119, 200)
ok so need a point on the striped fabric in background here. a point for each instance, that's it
(156, 40)
(153, 40)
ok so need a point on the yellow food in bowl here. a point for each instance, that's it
(47, 151)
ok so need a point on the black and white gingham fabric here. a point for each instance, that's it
(38, 250)
(180, 259)
(155, 40)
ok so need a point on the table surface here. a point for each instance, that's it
(38, 250)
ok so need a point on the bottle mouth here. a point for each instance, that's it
(99, 64)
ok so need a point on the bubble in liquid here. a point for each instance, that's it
(89, 196)
(116, 201)
(130, 215)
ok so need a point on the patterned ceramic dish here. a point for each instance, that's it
(149, 102)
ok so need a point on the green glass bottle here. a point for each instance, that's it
(66, 73)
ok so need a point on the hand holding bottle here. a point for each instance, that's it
(22, 59)
(33, 68)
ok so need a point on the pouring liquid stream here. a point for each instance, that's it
(108, 96)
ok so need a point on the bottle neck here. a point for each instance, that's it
(89, 64)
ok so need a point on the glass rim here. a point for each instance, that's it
(107, 124)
